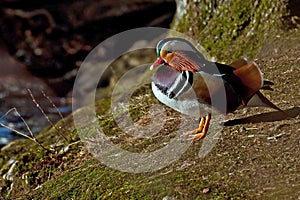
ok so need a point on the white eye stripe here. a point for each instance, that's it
(177, 45)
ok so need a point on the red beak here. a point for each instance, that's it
(158, 62)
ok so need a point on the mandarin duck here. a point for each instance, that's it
(181, 68)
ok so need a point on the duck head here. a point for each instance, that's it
(179, 54)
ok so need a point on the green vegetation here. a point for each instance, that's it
(232, 29)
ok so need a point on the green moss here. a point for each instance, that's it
(233, 29)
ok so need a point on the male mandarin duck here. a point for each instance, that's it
(181, 67)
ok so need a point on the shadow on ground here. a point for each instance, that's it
(266, 117)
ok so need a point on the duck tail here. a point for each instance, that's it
(259, 100)
(251, 79)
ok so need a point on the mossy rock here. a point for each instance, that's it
(231, 29)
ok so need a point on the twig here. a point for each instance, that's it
(275, 137)
(54, 106)
(39, 107)
(16, 131)
(9, 111)
(32, 138)
(59, 113)
(45, 115)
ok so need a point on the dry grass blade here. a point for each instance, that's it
(31, 137)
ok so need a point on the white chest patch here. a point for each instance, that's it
(189, 106)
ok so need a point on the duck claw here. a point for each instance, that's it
(201, 131)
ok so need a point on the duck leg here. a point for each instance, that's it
(202, 129)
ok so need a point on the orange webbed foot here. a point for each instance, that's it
(202, 129)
